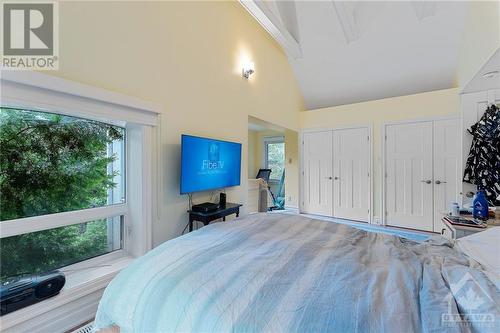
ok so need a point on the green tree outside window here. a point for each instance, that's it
(52, 163)
(276, 159)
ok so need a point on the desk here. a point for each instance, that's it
(206, 218)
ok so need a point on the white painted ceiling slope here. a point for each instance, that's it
(345, 52)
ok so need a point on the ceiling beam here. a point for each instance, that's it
(345, 13)
(424, 8)
(273, 25)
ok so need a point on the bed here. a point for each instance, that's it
(288, 273)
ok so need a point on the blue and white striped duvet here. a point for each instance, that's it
(287, 273)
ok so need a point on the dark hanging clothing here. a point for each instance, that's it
(483, 163)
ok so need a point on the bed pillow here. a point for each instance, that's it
(483, 247)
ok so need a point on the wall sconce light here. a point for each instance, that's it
(248, 69)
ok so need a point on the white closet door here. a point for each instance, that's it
(351, 182)
(447, 167)
(317, 178)
(409, 186)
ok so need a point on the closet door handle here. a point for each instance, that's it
(439, 182)
(328, 178)
(336, 178)
(426, 181)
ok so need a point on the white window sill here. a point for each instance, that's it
(76, 302)
(91, 276)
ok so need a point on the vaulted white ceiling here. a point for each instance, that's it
(346, 52)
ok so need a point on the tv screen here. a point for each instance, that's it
(208, 164)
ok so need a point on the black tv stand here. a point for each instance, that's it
(207, 217)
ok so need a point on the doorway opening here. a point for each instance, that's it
(273, 158)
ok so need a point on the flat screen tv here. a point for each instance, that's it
(208, 164)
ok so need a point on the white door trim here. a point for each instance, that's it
(369, 127)
(384, 150)
(323, 129)
(422, 120)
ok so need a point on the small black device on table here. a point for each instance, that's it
(207, 212)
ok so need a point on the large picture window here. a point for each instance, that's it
(53, 169)
(78, 190)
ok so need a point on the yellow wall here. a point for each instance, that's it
(186, 57)
(481, 38)
(418, 106)
(253, 158)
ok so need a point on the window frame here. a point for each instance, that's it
(39, 92)
(266, 142)
(31, 224)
